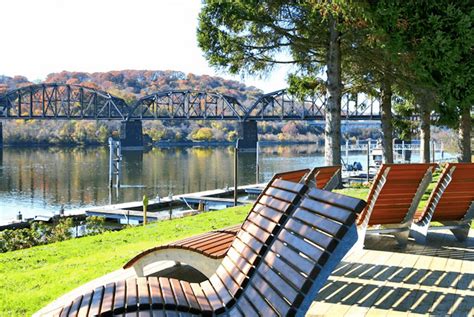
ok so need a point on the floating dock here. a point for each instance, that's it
(170, 207)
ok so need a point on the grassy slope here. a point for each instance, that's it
(31, 278)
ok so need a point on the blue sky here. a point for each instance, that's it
(41, 37)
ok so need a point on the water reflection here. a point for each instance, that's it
(39, 181)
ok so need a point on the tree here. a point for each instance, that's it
(438, 37)
(202, 134)
(251, 37)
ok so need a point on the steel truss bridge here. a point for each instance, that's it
(58, 101)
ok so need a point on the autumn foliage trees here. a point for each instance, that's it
(129, 85)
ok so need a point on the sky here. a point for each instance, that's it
(46, 36)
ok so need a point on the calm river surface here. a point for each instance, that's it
(38, 181)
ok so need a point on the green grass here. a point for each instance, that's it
(31, 278)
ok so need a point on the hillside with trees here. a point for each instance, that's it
(129, 85)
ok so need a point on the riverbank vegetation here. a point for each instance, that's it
(41, 233)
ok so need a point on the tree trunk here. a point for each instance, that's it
(386, 118)
(332, 131)
(425, 135)
(465, 127)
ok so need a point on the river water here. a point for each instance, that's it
(38, 181)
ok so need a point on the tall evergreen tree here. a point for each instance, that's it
(251, 37)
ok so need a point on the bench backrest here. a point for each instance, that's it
(301, 255)
(292, 176)
(325, 177)
(453, 194)
(395, 193)
(289, 234)
(263, 221)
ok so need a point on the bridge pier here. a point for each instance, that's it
(248, 134)
(131, 135)
(1, 135)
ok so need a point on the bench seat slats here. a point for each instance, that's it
(258, 302)
(263, 223)
(250, 241)
(86, 301)
(327, 225)
(242, 264)
(293, 257)
(76, 305)
(268, 293)
(168, 298)
(246, 307)
(287, 290)
(230, 284)
(270, 213)
(180, 298)
(287, 185)
(212, 296)
(108, 300)
(143, 293)
(335, 199)
(316, 237)
(339, 214)
(254, 230)
(221, 290)
(274, 203)
(96, 301)
(204, 305)
(131, 294)
(280, 194)
(294, 276)
(155, 293)
(244, 251)
(311, 251)
(190, 298)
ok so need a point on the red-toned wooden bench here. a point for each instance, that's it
(393, 198)
(204, 252)
(290, 242)
(451, 202)
(324, 177)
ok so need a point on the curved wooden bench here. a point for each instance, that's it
(451, 202)
(290, 242)
(203, 252)
(393, 198)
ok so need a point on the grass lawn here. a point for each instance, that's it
(31, 278)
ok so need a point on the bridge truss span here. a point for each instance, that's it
(280, 105)
(186, 105)
(61, 101)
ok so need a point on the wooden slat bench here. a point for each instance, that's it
(451, 202)
(203, 252)
(280, 258)
(393, 198)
